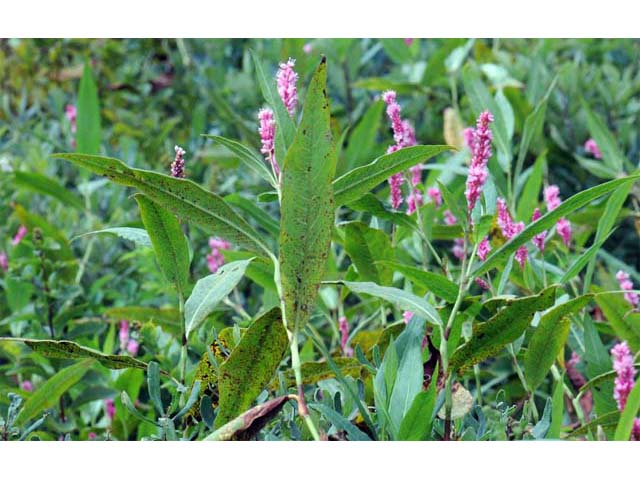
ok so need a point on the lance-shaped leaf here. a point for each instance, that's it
(139, 236)
(179, 196)
(251, 365)
(403, 299)
(48, 186)
(89, 130)
(629, 414)
(612, 156)
(169, 243)
(209, 291)
(489, 337)
(620, 316)
(548, 339)
(67, 349)
(307, 208)
(247, 156)
(548, 220)
(250, 422)
(366, 245)
(440, 285)
(48, 394)
(359, 181)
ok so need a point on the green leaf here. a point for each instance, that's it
(307, 210)
(262, 217)
(612, 156)
(548, 339)
(557, 410)
(528, 199)
(359, 181)
(169, 243)
(628, 416)
(251, 365)
(489, 337)
(404, 300)
(67, 349)
(581, 261)
(48, 186)
(209, 291)
(285, 128)
(131, 408)
(598, 362)
(363, 138)
(354, 434)
(439, 285)
(370, 204)
(139, 236)
(153, 385)
(548, 220)
(48, 394)
(416, 424)
(618, 313)
(365, 246)
(179, 196)
(247, 156)
(88, 133)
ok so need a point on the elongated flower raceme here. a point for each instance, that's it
(404, 135)
(177, 167)
(510, 229)
(4, 261)
(538, 240)
(484, 247)
(123, 334)
(481, 151)
(215, 259)
(267, 130)
(414, 200)
(552, 199)
(20, 234)
(287, 79)
(627, 285)
(435, 196)
(625, 381)
(71, 112)
(343, 326)
(469, 134)
(591, 147)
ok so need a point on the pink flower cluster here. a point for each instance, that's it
(484, 247)
(405, 136)
(343, 326)
(4, 261)
(481, 152)
(591, 147)
(510, 229)
(469, 134)
(110, 408)
(267, 132)
(552, 199)
(126, 342)
(177, 167)
(20, 234)
(215, 259)
(287, 79)
(538, 240)
(71, 112)
(435, 196)
(627, 285)
(625, 381)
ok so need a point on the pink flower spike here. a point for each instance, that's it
(91, 436)
(563, 227)
(110, 408)
(71, 112)
(591, 147)
(552, 197)
(287, 79)
(27, 386)
(626, 284)
(458, 248)
(482, 283)
(307, 48)
(177, 167)
(449, 218)
(469, 134)
(484, 247)
(435, 196)
(481, 151)
(538, 240)
(20, 234)
(416, 175)
(407, 316)
(123, 334)
(132, 347)
(215, 259)
(4, 261)
(395, 185)
(267, 130)
(414, 200)
(625, 373)
(408, 41)
(343, 326)
(510, 229)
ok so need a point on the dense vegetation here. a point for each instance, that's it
(396, 239)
